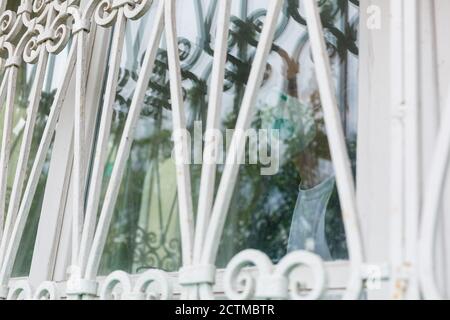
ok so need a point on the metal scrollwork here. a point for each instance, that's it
(48, 290)
(137, 8)
(151, 285)
(22, 290)
(60, 32)
(105, 14)
(272, 281)
(41, 25)
(107, 10)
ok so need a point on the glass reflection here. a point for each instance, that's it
(296, 208)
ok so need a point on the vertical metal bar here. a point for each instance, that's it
(338, 148)
(179, 125)
(229, 175)
(24, 153)
(3, 86)
(100, 38)
(20, 222)
(103, 133)
(435, 184)
(208, 176)
(124, 147)
(10, 80)
(430, 120)
(79, 162)
(413, 175)
(19, 178)
(397, 150)
(432, 200)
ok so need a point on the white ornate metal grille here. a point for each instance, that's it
(50, 25)
(43, 27)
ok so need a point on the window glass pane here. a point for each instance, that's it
(296, 206)
(286, 202)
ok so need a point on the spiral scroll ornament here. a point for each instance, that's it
(269, 281)
(150, 285)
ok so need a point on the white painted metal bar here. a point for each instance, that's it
(58, 168)
(397, 149)
(338, 148)
(79, 162)
(97, 73)
(185, 206)
(10, 79)
(432, 201)
(413, 175)
(21, 169)
(433, 193)
(3, 87)
(42, 54)
(208, 176)
(39, 161)
(229, 175)
(125, 146)
(103, 134)
(437, 282)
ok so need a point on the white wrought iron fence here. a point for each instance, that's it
(93, 122)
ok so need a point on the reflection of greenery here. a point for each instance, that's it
(262, 206)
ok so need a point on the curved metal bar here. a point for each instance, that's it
(432, 201)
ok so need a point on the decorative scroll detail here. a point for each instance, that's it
(107, 11)
(272, 282)
(151, 285)
(22, 289)
(28, 31)
(47, 291)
